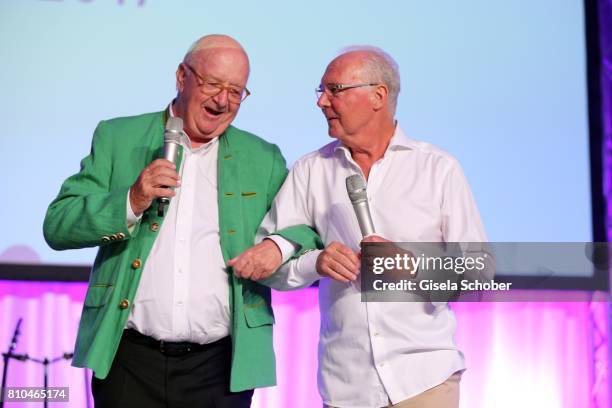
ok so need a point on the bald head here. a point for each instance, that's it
(214, 70)
(215, 42)
(371, 64)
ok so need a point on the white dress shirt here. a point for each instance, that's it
(370, 353)
(183, 293)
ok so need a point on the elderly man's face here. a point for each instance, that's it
(349, 111)
(207, 116)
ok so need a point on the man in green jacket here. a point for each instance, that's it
(165, 323)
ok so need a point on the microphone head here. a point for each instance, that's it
(174, 128)
(356, 188)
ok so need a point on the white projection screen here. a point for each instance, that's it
(501, 85)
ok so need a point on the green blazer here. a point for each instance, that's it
(90, 210)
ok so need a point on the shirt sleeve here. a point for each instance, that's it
(287, 247)
(460, 216)
(461, 221)
(289, 208)
(295, 274)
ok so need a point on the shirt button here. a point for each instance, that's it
(124, 304)
(376, 334)
(137, 263)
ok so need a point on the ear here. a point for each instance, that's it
(180, 78)
(379, 97)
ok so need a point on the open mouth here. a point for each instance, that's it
(212, 111)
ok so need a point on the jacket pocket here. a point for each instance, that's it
(258, 314)
(98, 294)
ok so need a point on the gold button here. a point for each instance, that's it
(124, 304)
(113, 237)
(137, 263)
(154, 227)
(121, 235)
(105, 240)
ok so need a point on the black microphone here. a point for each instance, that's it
(172, 140)
(356, 189)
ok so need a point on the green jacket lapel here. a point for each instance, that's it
(231, 226)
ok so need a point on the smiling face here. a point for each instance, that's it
(204, 116)
(350, 112)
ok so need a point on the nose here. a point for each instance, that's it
(323, 100)
(221, 99)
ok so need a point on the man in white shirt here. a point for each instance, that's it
(371, 354)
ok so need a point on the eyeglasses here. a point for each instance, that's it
(211, 88)
(332, 90)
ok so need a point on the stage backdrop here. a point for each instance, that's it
(528, 355)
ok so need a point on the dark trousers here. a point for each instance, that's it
(143, 376)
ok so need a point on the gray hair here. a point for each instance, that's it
(378, 66)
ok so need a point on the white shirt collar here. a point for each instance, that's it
(399, 141)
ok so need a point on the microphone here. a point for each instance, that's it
(172, 137)
(356, 189)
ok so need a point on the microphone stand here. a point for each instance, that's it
(24, 357)
(46, 362)
(6, 356)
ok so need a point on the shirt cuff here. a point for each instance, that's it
(132, 218)
(287, 248)
(307, 265)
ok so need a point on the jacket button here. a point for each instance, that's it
(120, 235)
(124, 304)
(137, 263)
(154, 227)
(113, 237)
(105, 240)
